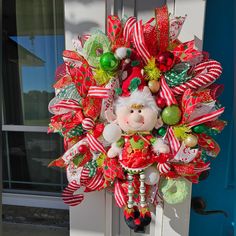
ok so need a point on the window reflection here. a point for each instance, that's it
(28, 155)
(33, 43)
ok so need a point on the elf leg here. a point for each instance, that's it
(130, 190)
(142, 190)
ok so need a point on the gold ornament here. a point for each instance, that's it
(191, 140)
(154, 86)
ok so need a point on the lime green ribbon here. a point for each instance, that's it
(177, 75)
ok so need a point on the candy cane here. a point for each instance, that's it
(202, 79)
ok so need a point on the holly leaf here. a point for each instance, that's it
(59, 162)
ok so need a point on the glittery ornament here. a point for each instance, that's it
(165, 61)
(108, 62)
(154, 86)
(191, 140)
(171, 115)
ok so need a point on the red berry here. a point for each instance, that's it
(160, 102)
(83, 148)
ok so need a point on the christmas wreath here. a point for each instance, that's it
(137, 109)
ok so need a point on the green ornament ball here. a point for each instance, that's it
(199, 129)
(161, 131)
(171, 115)
(108, 61)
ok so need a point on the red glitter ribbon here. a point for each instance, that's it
(162, 21)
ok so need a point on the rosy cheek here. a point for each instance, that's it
(126, 119)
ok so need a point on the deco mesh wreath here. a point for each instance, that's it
(137, 109)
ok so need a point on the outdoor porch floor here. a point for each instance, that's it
(10, 229)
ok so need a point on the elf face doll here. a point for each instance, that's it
(136, 148)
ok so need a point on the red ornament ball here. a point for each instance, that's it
(161, 102)
(83, 148)
(165, 60)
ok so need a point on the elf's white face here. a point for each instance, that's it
(140, 118)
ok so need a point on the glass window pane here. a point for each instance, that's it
(33, 42)
(29, 155)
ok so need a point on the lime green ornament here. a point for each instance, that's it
(199, 129)
(162, 131)
(108, 61)
(174, 191)
(171, 115)
(94, 47)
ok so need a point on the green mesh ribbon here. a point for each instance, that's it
(174, 191)
(69, 92)
(92, 166)
(94, 47)
(177, 75)
(77, 131)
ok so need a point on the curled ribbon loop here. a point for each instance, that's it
(163, 168)
(206, 73)
(129, 29)
(120, 197)
(173, 141)
(166, 93)
(139, 41)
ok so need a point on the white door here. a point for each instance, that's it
(97, 214)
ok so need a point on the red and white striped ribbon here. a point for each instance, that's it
(163, 168)
(205, 118)
(98, 92)
(202, 79)
(94, 144)
(128, 28)
(120, 197)
(88, 124)
(96, 183)
(68, 194)
(84, 178)
(166, 93)
(139, 41)
(173, 141)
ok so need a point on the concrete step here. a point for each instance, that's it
(20, 229)
(35, 216)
